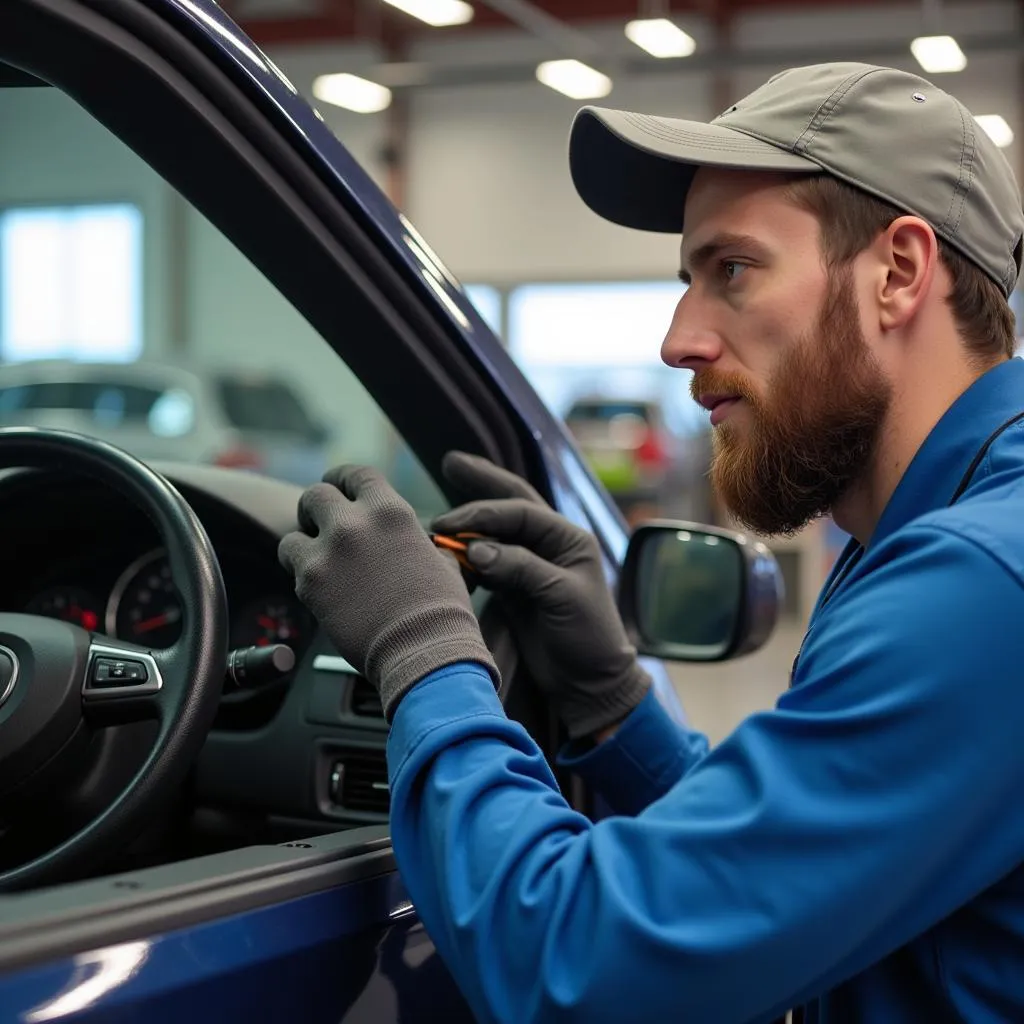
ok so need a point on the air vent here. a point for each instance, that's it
(365, 700)
(360, 781)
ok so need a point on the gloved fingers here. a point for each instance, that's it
(295, 551)
(516, 520)
(509, 568)
(477, 477)
(320, 506)
(357, 482)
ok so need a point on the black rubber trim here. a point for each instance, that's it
(60, 921)
(12, 78)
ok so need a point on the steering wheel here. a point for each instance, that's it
(58, 682)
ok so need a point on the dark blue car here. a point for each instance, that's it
(178, 843)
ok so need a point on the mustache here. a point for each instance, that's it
(717, 382)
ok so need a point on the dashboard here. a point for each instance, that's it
(308, 748)
(139, 602)
(82, 553)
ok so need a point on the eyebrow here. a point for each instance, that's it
(704, 254)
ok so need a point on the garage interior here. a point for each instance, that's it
(470, 144)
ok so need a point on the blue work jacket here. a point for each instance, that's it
(857, 850)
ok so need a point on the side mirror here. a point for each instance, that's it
(698, 593)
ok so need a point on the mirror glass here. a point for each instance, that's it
(689, 591)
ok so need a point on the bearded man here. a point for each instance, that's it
(850, 239)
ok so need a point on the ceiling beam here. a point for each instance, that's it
(724, 60)
(338, 21)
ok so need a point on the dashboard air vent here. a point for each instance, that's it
(364, 781)
(365, 700)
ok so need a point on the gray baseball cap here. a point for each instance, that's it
(887, 132)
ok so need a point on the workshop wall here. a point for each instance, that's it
(486, 176)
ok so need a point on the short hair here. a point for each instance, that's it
(851, 220)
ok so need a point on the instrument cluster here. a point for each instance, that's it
(144, 607)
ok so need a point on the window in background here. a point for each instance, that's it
(487, 300)
(600, 339)
(71, 283)
(593, 352)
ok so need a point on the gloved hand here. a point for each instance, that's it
(392, 604)
(549, 572)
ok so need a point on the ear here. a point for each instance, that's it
(909, 253)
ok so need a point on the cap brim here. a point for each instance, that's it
(635, 169)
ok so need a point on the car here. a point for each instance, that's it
(649, 465)
(155, 410)
(193, 787)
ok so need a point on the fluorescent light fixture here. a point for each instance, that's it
(996, 129)
(352, 92)
(938, 54)
(660, 37)
(574, 79)
(438, 13)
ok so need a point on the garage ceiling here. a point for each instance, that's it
(297, 22)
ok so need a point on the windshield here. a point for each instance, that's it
(124, 314)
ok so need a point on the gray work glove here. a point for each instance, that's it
(549, 574)
(392, 604)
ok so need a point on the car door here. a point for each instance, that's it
(317, 927)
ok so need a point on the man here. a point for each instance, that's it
(850, 238)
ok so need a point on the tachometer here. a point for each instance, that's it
(144, 606)
(273, 620)
(72, 604)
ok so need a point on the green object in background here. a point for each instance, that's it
(618, 473)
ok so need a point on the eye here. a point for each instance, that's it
(732, 269)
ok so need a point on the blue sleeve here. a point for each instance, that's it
(646, 757)
(815, 840)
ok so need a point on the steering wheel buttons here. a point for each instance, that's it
(113, 672)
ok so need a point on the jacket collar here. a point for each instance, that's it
(935, 472)
(939, 465)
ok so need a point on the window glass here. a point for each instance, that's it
(71, 282)
(168, 342)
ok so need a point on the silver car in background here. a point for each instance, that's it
(160, 411)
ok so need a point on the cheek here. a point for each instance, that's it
(760, 335)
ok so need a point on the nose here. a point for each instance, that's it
(689, 344)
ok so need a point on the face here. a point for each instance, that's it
(778, 352)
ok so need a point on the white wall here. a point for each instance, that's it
(487, 175)
(488, 181)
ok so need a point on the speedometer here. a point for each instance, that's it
(144, 606)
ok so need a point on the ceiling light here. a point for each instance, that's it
(938, 54)
(573, 78)
(438, 13)
(660, 37)
(352, 92)
(996, 129)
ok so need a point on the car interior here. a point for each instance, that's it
(298, 751)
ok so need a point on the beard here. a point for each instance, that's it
(815, 430)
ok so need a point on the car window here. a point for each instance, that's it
(607, 411)
(161, 411)
(126, 314)
(125, 401)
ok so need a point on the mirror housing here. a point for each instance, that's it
(690, 592)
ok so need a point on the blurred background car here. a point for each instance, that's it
(650, 467)
(167, 412)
